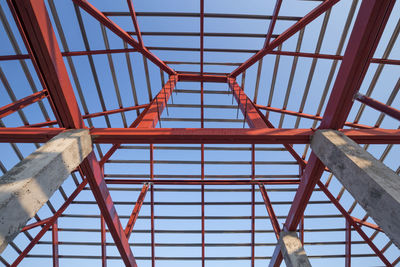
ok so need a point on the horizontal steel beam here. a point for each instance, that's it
(188, 77)
(198, 135)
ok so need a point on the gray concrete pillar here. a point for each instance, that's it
(28, 185)
(375, 187)
(292, 250)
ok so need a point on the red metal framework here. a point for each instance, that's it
(62, 91)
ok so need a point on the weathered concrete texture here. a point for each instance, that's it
(292, 250)
(29, 184)
(375, 187)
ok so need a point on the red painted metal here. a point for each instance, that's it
(365, 36)
(103, 241)
(198, 135)
(253, 206)
(41, 42)
(388, 110)
(309, 116)
(188, 77)
(49, 224)
(36, 224)
(136, 210)
(353, 224)
(135, 22)
(367, 224)
(273, 22)
(285, 35)
(226, 136)
(24, 102)
(157, 106)
(204, 182)
(153, 249)
(348, 245)
(98, 15)
(252, 117)
(94, 174)
(54, 235)
(270, 210)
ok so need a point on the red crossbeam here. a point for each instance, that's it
(98, 15)
(286, 35)
(388, 110)
(135, 22)
(26, 101)
(199, 135)
(189, 77)
(270, 210)
(135, 211)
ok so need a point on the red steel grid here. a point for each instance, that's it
(131, 50)
(316, 12)
(54, 235)
(136, 210)
(364, 38)
(388, 110)
(35, 27)
(24, 102)
(98, 15)
(353, 224)
(49, 224)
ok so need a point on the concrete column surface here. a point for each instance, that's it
(292, 250)
(28, 185)
(372, 184)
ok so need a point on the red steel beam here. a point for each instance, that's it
(189, 77)
(348, 245)
(24, 102)
(270, 210)
(231, 136)
(247, 107)
(198, 135)
(35, 26)
(135, 22)
(136, 210)
(367, 224)
(152, 115)
(54, 235)
(309, 116)
(98, 15)
(388, 110)
(273, 22)
(93, 115)
(103, 242)
(204, 182)
(285, 35)
(131, 50)
(94, 174)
